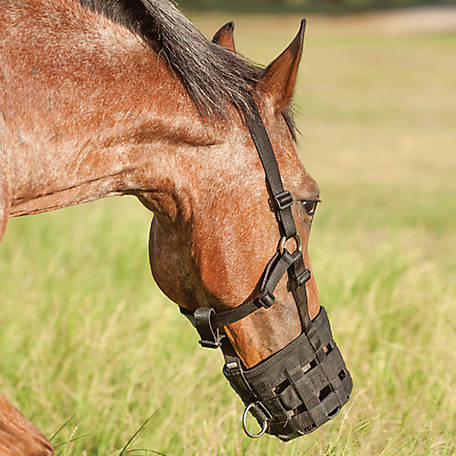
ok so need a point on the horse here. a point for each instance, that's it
(101, 99)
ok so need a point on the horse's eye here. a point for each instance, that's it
(310, 206)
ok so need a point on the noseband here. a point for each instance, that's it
(306, 383)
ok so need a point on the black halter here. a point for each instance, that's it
(209, 323)
(306, 383)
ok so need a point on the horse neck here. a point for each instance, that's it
(87, 115)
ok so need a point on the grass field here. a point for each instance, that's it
(89, 343)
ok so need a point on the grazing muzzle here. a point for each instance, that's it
(306, 383)
(298, 388)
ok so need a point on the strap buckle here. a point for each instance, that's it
(282, 200)
(210, 336)
(266, 299)
(302, 278)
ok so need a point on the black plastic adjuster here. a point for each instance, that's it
(303, 278)
(266, 299)
(283, 200)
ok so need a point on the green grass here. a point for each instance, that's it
(86, 336)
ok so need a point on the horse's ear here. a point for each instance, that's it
(224, 37)
(279, 78)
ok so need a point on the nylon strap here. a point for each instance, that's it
(275, 273)
(298, 275)
(209, 323)
(273, 180)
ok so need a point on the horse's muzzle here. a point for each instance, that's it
(297, 389)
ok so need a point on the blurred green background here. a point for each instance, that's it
(87, 339)
(320, 6)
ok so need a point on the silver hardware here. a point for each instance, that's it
(244, 423)
(297, 239)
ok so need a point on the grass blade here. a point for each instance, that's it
(130, 441)
(61, 427)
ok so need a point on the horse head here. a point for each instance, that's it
(219, 245)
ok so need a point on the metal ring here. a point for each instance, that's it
(244, 424)
(297, 239)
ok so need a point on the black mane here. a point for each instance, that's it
(212, 75)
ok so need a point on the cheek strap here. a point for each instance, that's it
(209, 323)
